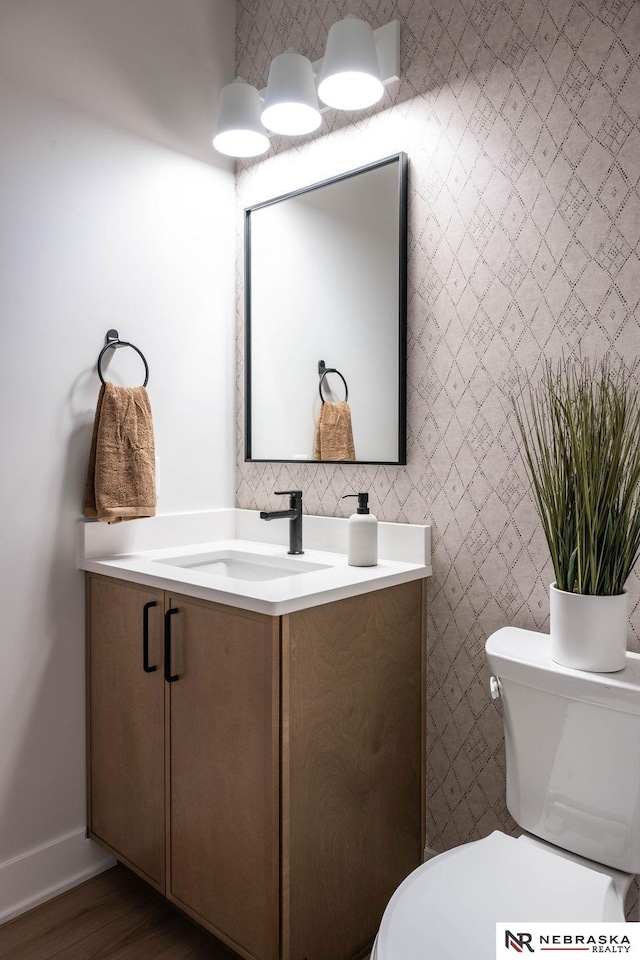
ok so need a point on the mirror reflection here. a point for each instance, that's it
(325, 320)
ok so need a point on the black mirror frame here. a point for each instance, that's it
(402, 161)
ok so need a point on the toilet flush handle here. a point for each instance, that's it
(495, 688)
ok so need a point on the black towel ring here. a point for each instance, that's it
(323, 371)
(113, 340)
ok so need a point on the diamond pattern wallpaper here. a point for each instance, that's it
(520, 119)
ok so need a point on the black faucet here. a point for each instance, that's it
(293, 515)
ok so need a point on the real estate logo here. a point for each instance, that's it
(518, 941)
(559, 939)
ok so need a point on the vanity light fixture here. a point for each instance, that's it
(358, 64)
(239, 130)
(350, 77)
(291, 101)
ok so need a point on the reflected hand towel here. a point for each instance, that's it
(334, 436)
(121, 476)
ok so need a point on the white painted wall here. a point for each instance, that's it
(114, 211)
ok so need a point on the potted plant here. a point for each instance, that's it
(580, 432)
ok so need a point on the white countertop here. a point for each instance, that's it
(137, 551)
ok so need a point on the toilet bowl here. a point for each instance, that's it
(572, 781)
(449, 906)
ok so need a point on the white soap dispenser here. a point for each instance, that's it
(362, 549)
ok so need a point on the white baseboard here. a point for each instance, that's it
(48, 870)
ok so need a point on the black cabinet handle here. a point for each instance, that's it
(146, 666)
(167, 646)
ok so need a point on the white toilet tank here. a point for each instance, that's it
(573, 749)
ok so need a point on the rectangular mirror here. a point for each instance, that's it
(325, 320)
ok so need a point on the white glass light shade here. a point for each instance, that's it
(350, 77)
(239, 130)
(291, 102)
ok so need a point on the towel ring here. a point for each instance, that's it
(323, 371)
(113, 340)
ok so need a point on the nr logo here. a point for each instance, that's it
(518, 941)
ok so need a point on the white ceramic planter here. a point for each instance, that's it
(588, 633)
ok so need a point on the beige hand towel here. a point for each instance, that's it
(334, 436)
(121, 476)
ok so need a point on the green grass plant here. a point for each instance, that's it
(580, 432)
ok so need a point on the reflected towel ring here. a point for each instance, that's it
(113, 340)
(323, 370)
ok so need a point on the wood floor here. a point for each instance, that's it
(115, 916)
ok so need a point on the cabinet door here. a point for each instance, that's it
(125, 738)
(224, 780)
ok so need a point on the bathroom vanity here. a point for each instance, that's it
(263, 770)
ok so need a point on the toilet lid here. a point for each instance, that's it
(448, 907)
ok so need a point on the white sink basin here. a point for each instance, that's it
(240, 565)
(226, 556)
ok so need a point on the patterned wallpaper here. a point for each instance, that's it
(520, 120)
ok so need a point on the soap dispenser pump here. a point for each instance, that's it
(362, 550)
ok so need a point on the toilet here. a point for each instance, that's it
(573, 784)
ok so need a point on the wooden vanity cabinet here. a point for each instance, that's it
(278, 796)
